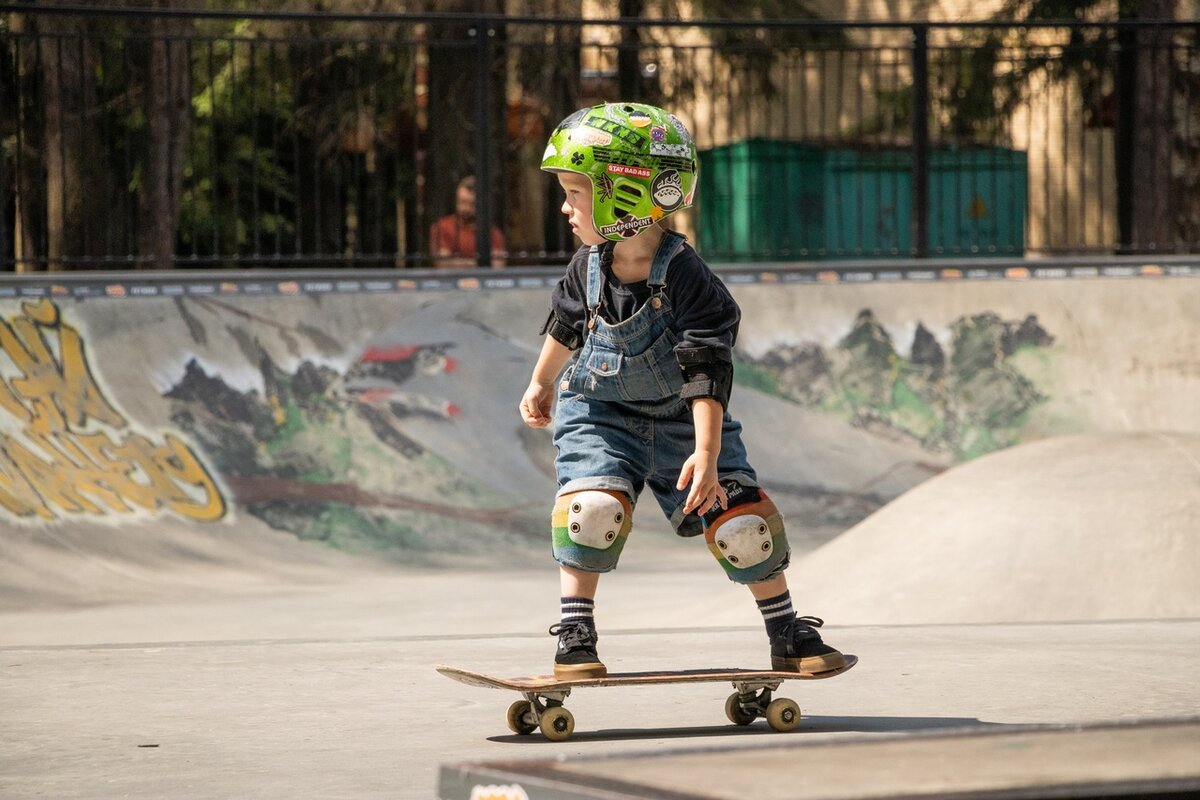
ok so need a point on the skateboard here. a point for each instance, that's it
(545, 694)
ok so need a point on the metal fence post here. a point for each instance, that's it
(4, 262)
(483, 33)
(1125, 87)
(920, 141)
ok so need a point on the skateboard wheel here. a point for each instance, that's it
(519, 715)
(557, 723)
(738, 714)
(783, 714)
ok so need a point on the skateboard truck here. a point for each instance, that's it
(542, 710)
(753, 700)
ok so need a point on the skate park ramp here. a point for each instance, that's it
(1089, 527)
(294, 427)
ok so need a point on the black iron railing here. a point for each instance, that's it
(159, 138)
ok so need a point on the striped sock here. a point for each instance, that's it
(578, 609)
(776, 611)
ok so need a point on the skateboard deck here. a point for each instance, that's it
(545, 694)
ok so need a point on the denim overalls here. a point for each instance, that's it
(620, 423)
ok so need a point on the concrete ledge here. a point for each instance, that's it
(1153, 757)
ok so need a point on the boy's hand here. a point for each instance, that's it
(535, 405)
(701, 471)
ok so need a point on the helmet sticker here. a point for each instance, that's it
(662, 149)
(551, 152)
(658, 133)
(610, 156)
(633, 172)
(590, 137)
(573, 120)
(627, 226)
(628, 136)
(639, 119)
(667, 190)
(680, 128)
(604, 188)
(614, 112)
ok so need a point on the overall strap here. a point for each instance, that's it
(667, 248)
(595, 281)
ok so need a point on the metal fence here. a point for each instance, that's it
(156, 139)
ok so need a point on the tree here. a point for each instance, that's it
(53, 142)
(168, 100)
(77, 76)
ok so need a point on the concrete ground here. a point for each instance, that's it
(328, 690)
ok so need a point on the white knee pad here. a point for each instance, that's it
(745, 540)
(596, 518)
(590, 528)
(749, 540)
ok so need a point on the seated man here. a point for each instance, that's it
(452, 238)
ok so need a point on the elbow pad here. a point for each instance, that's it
(707, 372)
(691, 355)
(562, 334)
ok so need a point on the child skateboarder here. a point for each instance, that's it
(643, 402)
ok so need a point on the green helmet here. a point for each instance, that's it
(640, 159)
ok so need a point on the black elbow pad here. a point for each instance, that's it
(691, 355)
(562, 334)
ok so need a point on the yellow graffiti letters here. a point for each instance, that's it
(59, 394)
(70, 450)
(17, 495)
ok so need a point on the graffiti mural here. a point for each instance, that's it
(378, 415)
(66, 450)
(968, 398)
(331, 453)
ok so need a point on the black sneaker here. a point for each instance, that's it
(576, 656)
(797, 647)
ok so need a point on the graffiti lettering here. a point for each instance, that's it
(70, 450)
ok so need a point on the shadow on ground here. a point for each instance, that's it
(810, 725)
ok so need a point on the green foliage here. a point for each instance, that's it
(747, 373)
(356, 531)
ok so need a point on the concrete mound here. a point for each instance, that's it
(1090, 527)
(90, 564)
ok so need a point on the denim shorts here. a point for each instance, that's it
(603, 444)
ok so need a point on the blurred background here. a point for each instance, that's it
(187, 134)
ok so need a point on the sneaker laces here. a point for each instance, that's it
(573, 635)
(797, 630)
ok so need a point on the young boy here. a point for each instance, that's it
(643, 402)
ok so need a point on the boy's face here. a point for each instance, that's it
(578, 206)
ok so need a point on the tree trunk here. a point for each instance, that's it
(29, 185)
(168, 94)
(71, 153)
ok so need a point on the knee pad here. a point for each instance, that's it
(590, 528)
(748, 538)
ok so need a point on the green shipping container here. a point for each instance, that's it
(766, 200)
